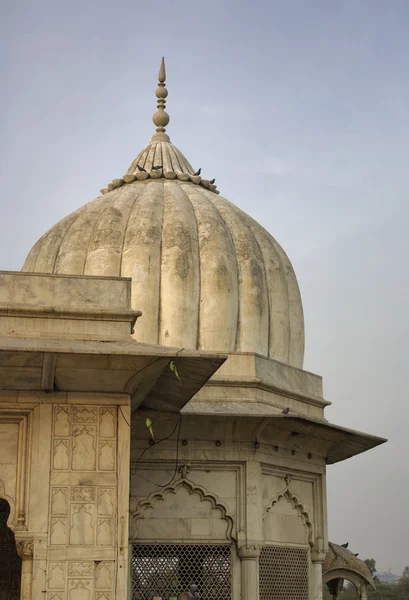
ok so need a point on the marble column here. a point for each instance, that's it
(25, 549)
(249, 556)
(363, 595)
(316, 583)
(318, 554)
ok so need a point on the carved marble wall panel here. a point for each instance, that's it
(82, 524)
(80, 589)
(84, 451)
(80, 580)
(58, 531)
(106, 455)
(107, 422)
(62, 420)
(59, 500)
(61, 450)
(83, 503)
(56, 575)
(84, 438)
(105, 532)
(82, 515)
(81, 569)
(104, 576)
(84, 442)
(106, 501)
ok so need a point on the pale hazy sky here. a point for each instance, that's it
(300, 110)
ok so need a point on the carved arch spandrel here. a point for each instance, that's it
(192, 488)
(290, 497)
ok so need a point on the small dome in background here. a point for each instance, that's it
(205, 275)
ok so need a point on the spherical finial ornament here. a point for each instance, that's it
(161, 117)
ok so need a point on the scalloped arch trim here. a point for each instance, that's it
(192, 488)
(288, 495)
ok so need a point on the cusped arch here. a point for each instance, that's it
(288, 495)
(194, 489)
(341, 563)
(10, 520)
(350, 575)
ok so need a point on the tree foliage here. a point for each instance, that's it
(371, 564)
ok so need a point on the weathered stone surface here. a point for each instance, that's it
(204, 274)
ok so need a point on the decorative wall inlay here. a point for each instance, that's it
(60, 455)
(58, 531)
(107, 422)
(56, 576)
(55, 596)
(84, 448)
(105, 532)
(106, 455)
(83, 494)
(82, 524)
(59, 500)
(62, 421)
(106, 501)
(80, 569)
(85, 415)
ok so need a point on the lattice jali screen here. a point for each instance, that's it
(168, 570)
(283, 573)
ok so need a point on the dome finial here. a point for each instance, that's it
(161, 117)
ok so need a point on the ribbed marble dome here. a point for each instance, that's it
(205, 274)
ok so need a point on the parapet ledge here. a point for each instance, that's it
(65, 306)
(250, 377)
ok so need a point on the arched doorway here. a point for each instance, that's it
(10, 562)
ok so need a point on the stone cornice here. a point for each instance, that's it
(100, 314)
(257, 382)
